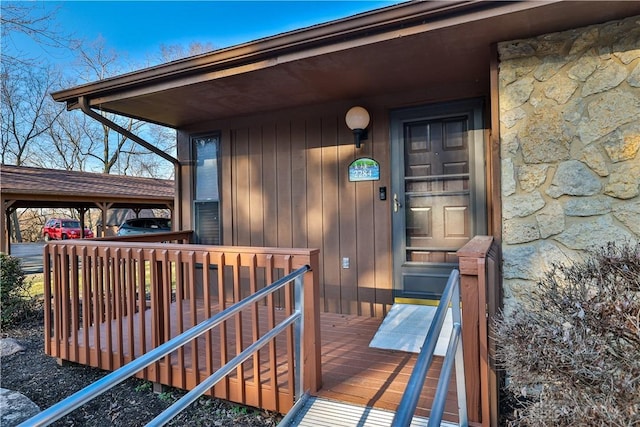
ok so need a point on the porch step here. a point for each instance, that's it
(318, 412)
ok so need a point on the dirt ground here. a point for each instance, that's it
(131, 403)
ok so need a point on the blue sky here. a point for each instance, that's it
(139, 28)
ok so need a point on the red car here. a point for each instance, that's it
(63, 228)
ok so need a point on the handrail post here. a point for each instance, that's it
(298, 328)
(311, 352)
(471, 259)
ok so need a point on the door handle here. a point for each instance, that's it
(396, 204)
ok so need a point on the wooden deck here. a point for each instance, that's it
(353, 372)
(106, 305)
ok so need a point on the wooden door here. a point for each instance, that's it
(438, 192)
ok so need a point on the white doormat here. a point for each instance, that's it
(405, 328)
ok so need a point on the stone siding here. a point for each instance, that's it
(570, 146)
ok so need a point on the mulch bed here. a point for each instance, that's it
(131, 403)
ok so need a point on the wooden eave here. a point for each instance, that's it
(399, 48)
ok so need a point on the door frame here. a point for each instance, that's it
(476, 110)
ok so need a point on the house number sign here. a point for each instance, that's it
(364, 169)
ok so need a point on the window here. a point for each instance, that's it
(206, 200)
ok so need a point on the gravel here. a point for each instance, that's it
(131, 403)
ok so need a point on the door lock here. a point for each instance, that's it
(396, 204)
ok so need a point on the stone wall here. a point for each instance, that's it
(570, 139)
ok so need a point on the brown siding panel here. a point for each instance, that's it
(269, 181)
(285, 184)
(227, 199)
(242, 187)
(299, 184)
(330, 217)
(347, 216)
(256, 197)
(382, 211)
(314, 195)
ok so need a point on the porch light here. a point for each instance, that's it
(357, 120)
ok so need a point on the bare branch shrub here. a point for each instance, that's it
(572, 349)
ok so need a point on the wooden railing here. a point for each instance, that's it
(107, 303)
(480, 286)
(183, 237)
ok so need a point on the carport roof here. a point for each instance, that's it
(24, 187)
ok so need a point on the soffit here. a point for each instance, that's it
(448, 50)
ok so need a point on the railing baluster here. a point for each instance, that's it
(74, 303)
(108, 302)
(86, 303)
(46, 268)
(64, 303)
(112, 281)
(190, 259)
(252, 262)
(239, 336)
(118, 303)
(79, 398)
(222, 301)
(132, 301)
(271, 322)
(97, 302)
(289, 308)
(142, 305)
(208, 340)
(179, 301)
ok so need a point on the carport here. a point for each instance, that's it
(26, 187)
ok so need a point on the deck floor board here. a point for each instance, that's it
(352, 372)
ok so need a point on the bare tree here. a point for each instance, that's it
(174, 52)
(71, 142)
(31, 19)
(111, 151)
(26, 111)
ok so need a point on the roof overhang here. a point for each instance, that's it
(400, 48)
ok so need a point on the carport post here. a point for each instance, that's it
(81, 212)
(5, 226)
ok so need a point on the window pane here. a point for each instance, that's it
(206, 152)
(206, 204)
(207, 223)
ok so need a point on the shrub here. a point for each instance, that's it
(571, 350)
(16, 304)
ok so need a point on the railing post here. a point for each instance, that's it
(312, 370)
(471, 259)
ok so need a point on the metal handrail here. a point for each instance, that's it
(409, 402)
(109, 381)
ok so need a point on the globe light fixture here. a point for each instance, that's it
(357, 119)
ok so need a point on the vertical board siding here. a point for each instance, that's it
(330, 206)
(291, 189)
(227, 199)
(284, 183)
(256, 196)
(347, 223)
(270, 187)
(379, 135)
(366, 196)
(242, 186)
(299, 217)
(315, 226)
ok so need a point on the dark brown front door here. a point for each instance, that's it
(438, 192)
